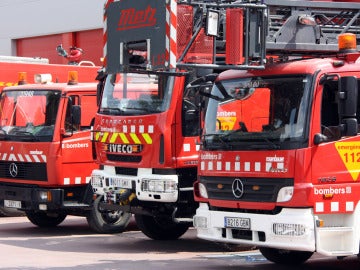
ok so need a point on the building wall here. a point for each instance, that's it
(34, 28)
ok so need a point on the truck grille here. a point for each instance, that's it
(254, 189)
(23, 171)
(123, 158)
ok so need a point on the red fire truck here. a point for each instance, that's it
(289, 183)
(147, 126)
(46, 153)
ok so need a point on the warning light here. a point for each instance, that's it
(72, 77)
(22, 76)
(347, 42)
(42, 78)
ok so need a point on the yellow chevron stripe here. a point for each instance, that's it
(105, 136)
(113, 137)
(147, 138)
(97, 136)
(135, 138)
(124, 138)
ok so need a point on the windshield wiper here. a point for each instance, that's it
(4, 136)
(24, 135)
(216, 142)
(268, 145)
(111, 111)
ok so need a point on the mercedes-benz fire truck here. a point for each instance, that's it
(45, 148)
(146, 130)
(279, 160)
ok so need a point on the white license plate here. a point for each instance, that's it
(236, 222)
(12, 204)
(121, 183)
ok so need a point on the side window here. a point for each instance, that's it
(190, 113)
(330, 119)
(88, 110)
(70, 125)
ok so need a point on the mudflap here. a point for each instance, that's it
(88, 195)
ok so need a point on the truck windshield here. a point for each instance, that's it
(136, 94)
(257, 113)
(28, 115)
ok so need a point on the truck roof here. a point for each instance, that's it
(56, 86)
(304, 66)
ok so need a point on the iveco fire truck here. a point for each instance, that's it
(279, 160)
(45, 149)
(147, 126)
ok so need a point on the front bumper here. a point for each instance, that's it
(291, 229)
(33, 198)
(146, 185)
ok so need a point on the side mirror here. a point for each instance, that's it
(348, 97)
(212, 22)
(348, 92)
(320, 138)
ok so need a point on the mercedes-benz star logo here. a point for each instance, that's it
(238, 188)
(13, 170)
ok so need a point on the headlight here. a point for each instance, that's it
(285, 194)
(160, 186)
(45, 196)
(203, 191)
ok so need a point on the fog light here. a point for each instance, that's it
(288, 229)
(43, 207)
(200, 222)
(96, 181)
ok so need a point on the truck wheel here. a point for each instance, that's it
(282, 256)
(44, 220)
(160, 228)
(107, 222)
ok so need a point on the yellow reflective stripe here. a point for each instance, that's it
(147, 138)
(124, 138)
(104, 138)
(97, 136)
(113, 137)
(135, 138)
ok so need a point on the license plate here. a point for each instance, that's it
(236, 222)
(121, 183)
(12, 204)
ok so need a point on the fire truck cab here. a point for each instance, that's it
(290, 184)
(148, 125)
(46, 152)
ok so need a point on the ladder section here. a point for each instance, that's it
(309, 27)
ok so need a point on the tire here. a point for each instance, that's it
(44, 220)
(107, 222)
(286, 257)
(160, 228)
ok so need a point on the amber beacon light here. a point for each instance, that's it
(347, 42)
